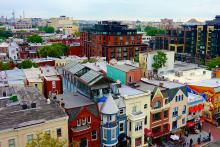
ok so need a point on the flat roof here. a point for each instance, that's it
(215, 82)
(166, 84)
(146, 87)
(128, 91)
(13, 116)
(73, 100)
(53, 78)
(124, 67)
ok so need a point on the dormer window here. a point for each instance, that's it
(83, 121)
(78, 122)
(157, 105)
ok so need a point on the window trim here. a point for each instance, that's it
(60, 132)
(27, 138)
(14, 141)
(122, 122)
(78, 124)
(95, 135)
(89, 119)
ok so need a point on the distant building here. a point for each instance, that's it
(26, 113)
(111, 40)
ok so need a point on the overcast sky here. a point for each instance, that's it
(113, 9)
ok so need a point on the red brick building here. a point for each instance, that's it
(84, 119)
(75, 49)
(111, 40)
(66, 41)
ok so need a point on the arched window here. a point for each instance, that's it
(157, 105)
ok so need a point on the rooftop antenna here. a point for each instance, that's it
(23, 14)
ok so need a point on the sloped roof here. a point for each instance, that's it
(109, 107)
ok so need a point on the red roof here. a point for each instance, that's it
(190, 124)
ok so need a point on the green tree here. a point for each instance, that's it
(136, 58)
(4, 65)
(159, 60)
(46, 29)
(77, 34)
(5, 34)
(213, 63)
(27, 64)
(153, 31)
(54, 50)
(34, 39)
(45, 140)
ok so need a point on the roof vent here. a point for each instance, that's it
(24, 106)
(33, 105)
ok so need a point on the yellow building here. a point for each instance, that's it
(71, 29)
(138, 113)
(30, 116)
(34, 78)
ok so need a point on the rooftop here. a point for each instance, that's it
(128, 91)
(125, 67)
(49, 71)
(13, 116)
(73, 100)
(215, 82)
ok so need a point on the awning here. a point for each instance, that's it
(201, 119)
(191, 109)
(201, 107)
(190, 124)
(147, 132)
(196, 108)
(174, 137)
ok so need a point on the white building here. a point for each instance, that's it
(13, 50)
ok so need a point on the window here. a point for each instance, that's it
(47, 132)
(104, 133)
(138, 126)
(145, 120)
(157, 116)
(183, 121)
(89, 120)
(29, 138)
(83, 121)
(145, 106)
(166, 101)
(134, 109)
(182, 97)
(121, 127)
(35, 85)
(184, 110)
(157, 105)
(59, 132)
(130, 126)
(11, 143)
(121, 111)
(165, 114)
(94, 135)
(53, 84)
(156, 129)
(165, 127)
(113, 134)
(78, 122)
(175, 111)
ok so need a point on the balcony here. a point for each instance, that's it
(136, 116)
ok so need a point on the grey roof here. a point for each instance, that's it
(70, 65)
(14, 116)
(120, 102)
(125, 67)
(128, 91)
(143, 86)
(166, 84)
(109, 106)
(73, 100)
(76, 68)
(91, 77)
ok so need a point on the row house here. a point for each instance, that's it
(91, 83)
(84, 119)
(211, 89)
(137, 105)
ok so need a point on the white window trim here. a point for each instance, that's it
(104, 138)
(47, 130)
(96, 135)
(78, 121)
(111, 134)
(61, 132)
(14, 140)
(122, 122)
(27, 137)
(84, 121)
(89, 122)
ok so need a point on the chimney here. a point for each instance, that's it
(161, 84)
(62, 103)
(33, 105)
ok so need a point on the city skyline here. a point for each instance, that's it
(114, 9)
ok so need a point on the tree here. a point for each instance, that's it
(54, 50)
(5, 34)
(77, 34)
(153, 31)
(159, 60)
(46, 29)
(34, 39)
(45, 140)
(136, 58)
(27, 64)
(213, 63)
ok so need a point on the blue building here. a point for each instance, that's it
(109, 122)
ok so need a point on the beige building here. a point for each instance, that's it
(30, 115)
(137, 111)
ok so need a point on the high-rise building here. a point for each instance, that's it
(112, 40)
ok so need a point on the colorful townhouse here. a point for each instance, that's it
(126, 73)
(109, 122)
(195, 109)
(53, 83)
(88, 82)
(159, 116)
(211, 88)
(137, 104)
(84, 119)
